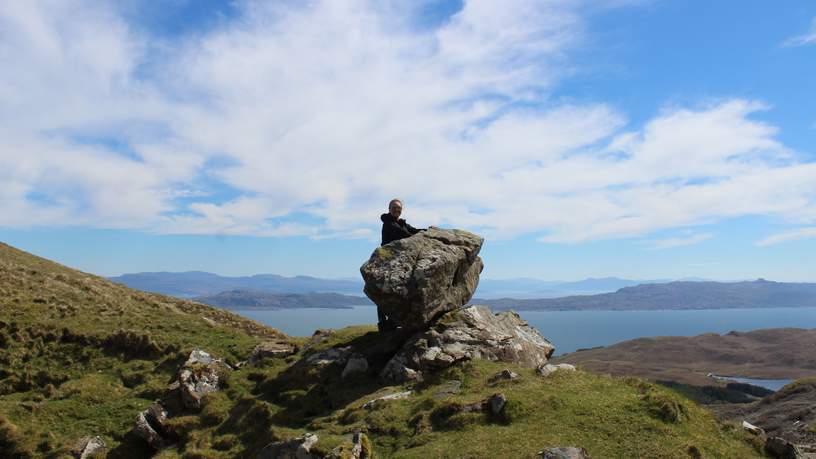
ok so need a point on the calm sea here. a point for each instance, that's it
(571, 330)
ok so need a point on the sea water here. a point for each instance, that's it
(571, 330)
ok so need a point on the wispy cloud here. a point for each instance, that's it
(679, 242)
(787, 236)
(808, 38)
(329, 109)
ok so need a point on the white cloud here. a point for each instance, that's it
(330, 109)
(808, 38)
(679, 241)
(787, 236)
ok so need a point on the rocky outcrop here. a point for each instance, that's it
(469, 333)
(199, 375)
(417, 279)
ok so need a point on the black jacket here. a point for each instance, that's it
(394, 229)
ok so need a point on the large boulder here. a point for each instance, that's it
(469, 333)
(417, 279)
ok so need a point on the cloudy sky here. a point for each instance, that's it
(635, 138)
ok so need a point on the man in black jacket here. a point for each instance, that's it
(395, 228)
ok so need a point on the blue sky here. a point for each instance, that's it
(641, 139)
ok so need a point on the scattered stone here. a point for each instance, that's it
(504, 375)
(779, 448)
(356, 364)
(468, 333)
(197, 356)
(564, 453)
(209, 321)
(295, 448)
(87, 447)
(198, 376)
(386, 398)
(448, 388)
(148, 427)
(271, 350)
(318, 337)
(495, 404)
(752, 428)
(338, 355)
(417, 279)
(360, 449)
(548, 369)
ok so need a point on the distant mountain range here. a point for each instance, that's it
(198, 283)
(247, 299)
(675, 295)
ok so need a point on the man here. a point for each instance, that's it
(393, 229)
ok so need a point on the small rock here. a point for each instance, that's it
(496, 403)
(386, 398)
(448, 388)
(268, 350)
(337, 355)
(148, 432)
(295, 448)
(360, 449)
(564, 453)
(504, 375)
(356, 364)
(548, 369)
(197, 356)
(752, 428)
(780, 448)
(87, 447)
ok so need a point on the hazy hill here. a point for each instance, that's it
(675, 295)
(248, 299)
(80, 355)
(199, 283)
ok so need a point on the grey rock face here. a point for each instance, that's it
(417, 279)
(564, 453)
(469, 333)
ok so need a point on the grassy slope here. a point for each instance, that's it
(56, 386)
(80, 355)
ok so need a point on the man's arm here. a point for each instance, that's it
(413, 230)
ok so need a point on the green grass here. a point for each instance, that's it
(82, 356)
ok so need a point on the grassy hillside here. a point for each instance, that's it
(82, 356)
